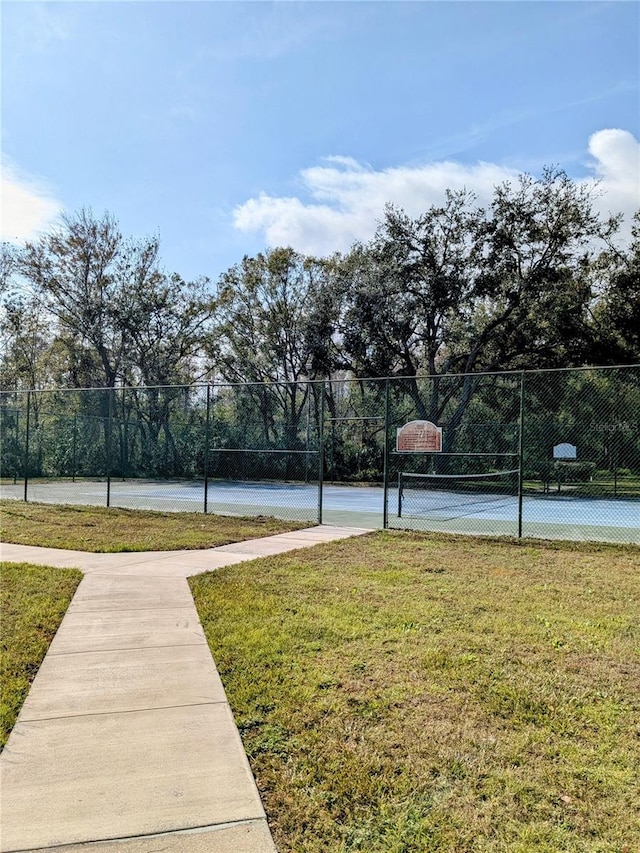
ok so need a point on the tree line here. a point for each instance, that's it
(535, 280)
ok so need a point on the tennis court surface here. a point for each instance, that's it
(554, 516)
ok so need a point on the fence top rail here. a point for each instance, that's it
(364, 418)
(286, 450)
(281, 382)
(440, 453)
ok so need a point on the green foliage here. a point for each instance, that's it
(460, 289)
(261, 335)
(166, 432)
(617, 312)
(535, 280)
(88, 307)
(573, 472)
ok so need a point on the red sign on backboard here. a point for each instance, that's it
(419, 437)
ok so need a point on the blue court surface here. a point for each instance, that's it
(550, 516)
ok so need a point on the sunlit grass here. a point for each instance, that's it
(87, 528)
(33, 601)
(402, 692)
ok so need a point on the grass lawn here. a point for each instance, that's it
(87, 528)
(401, 692)
(33, 600)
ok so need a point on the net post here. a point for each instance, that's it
(206, 450)
(321, 452)
(26, 447)
(385, 460)
(399, 494)
(520, 453)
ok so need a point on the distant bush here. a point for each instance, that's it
(557, 472)
(573, 472)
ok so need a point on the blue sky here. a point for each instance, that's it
(227, 127)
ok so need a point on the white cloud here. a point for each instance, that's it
(27, 207)
(616, 166)
(346, 198)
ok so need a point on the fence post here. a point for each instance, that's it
(308, 438)
(74, 440)
(385, 460)
(615, 440)
(17, 456)
(26, 446)
(122, 432)
(206, 450)
(520, 454)
(108, 443)
(321, 452)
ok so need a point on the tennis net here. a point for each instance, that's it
(448, 496)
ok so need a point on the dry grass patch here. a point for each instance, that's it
(403, 692)
(33, 601)
(101, 529)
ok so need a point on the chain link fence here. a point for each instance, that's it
(236, 449)
(536, 453)
(471, 481)
(581, 453)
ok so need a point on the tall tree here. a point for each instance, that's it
(405, 291)
(262, 332)
(26, 349)
(462, 290)
(616, 313)
(72, 270)
(117, 314)
(533, 293)
(164, 324)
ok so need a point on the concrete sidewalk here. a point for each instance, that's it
(126, 735)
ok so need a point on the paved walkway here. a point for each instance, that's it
(126, 735)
